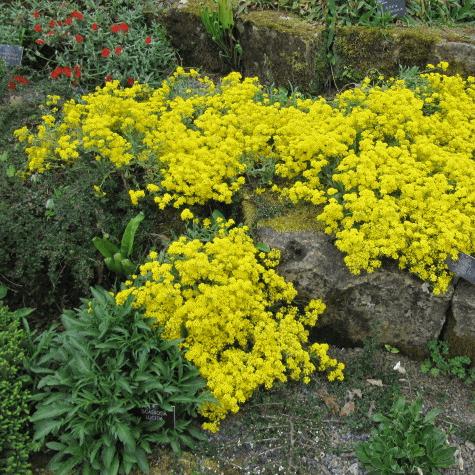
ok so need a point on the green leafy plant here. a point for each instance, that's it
(440, 364)
(14, 395)
(117, 260)
(108, 362)
(219, 23)
(405, 442)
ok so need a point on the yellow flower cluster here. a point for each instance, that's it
(409, 180)
(241, 330)
(393, 166)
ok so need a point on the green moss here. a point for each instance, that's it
(269, 210)
(362, 49)
(284, 22)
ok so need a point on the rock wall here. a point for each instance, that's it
(281, 49)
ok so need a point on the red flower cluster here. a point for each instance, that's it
(108, 78)
(40, 42)
(121, 26)
(11, 84)
(105, 52)
(148, 39)
(94, 26)
(36, 14)
(59, 70)
(130, 81)
(77, 71)
(76, 14)
(79, 38)
(38, 28)
(68, 21)
(118, 49)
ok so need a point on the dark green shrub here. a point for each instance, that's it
(108, 362)
(48, 223)
(14, 434)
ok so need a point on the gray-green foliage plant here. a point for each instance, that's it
(14, 395)
(108, 362)
(405, 442)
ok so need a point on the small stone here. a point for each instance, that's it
(470, 445)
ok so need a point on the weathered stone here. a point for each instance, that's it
(460, 54)
(410, 315)
(460, 331)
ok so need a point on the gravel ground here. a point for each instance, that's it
(273, 438)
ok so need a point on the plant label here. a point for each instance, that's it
(464, 266)
(155, 413)
(11, 54)
(395, 7)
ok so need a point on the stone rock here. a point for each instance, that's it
(462, 54)
(410, 315)
(460, 330)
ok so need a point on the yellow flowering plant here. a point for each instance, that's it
(235, 314)
(391, 163)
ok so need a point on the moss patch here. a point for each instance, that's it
(269, 210)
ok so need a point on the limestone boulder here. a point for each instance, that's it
(460, 329)
(409, 315)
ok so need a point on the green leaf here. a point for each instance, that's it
(23, 312)
(55, 446)
(399, 405)
(3, 291)
(142, 461)
(127, 242)
(48, 412)
(45, 427)
(68, 465)
(124, 434)
(262, 247)
(108, 455)
(197, 434)
(105, 247)
(10, 171)
(432, 415)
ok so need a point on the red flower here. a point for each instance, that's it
(79, 38)
(75, 83)
(36, 14)
(130, 81)
(105, 52)
(40, 42)
(121, 26)
(60, 23)
(148, 40)
(57, 71)
(67, 71)
(11, 85)
(38, 28)
(76, 14)
(94, 26)
(21, 79)
(108, 78)
(50, 33)
(68, 21)
(77, 71)
(118, 49)
(51, 23)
